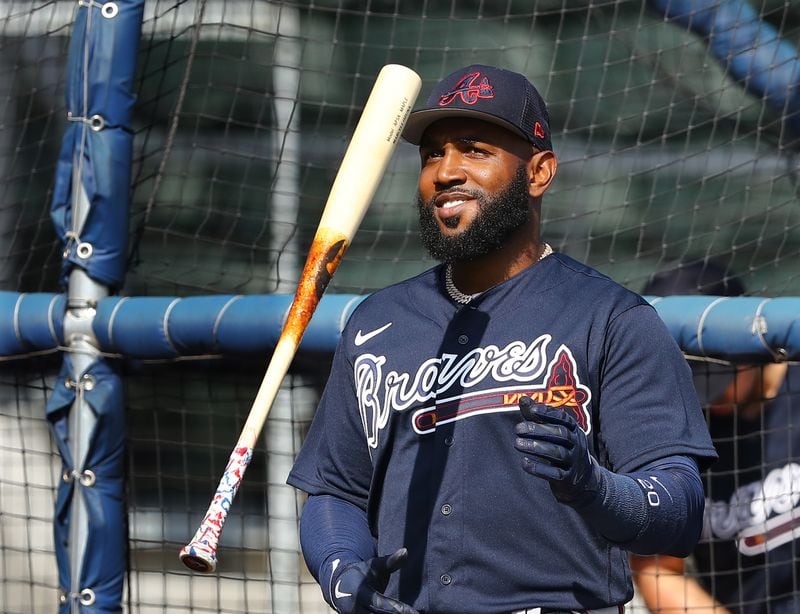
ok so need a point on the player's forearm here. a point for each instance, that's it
(656, 510)
(665, 592)
(677, 595)
(333, 533)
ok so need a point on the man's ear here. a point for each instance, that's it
(541, 171)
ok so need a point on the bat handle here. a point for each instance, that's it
(200, 554)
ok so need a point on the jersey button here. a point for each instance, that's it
(448, 441)
(445, 579)
(447, 509)
(463, 339)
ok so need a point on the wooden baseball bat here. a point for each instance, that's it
(375, 137)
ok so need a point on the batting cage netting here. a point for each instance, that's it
(164, 166)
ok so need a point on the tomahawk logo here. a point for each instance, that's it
(468, 90)
(514, 370)
(560, 388)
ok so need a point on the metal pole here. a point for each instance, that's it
(282, 503)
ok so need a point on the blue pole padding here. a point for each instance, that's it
(168, 327)
(751, 49)
(739, 329)
(100, 245)
(32, 322)
(100, 481)
(97, 145)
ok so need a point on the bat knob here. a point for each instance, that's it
(199, 557)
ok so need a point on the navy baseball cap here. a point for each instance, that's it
(490, 94)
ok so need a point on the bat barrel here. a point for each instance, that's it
(371, 146)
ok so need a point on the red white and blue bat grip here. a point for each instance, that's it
(200, 554)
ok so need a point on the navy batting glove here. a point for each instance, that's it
(555, 448)
(358, 587)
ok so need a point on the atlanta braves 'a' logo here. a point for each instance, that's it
(468, 90)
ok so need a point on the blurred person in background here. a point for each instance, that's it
(748, 558)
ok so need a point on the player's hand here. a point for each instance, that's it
(555, 448)
(358, 587)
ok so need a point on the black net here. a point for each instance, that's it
(244, 109)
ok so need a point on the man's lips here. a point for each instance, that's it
(448, 205)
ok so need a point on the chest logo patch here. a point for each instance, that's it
(560, 388)
(455, 387)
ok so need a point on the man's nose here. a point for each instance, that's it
(450, 169)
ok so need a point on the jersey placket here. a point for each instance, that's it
(447, 569)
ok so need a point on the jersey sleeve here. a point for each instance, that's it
(648, 405)
(334, 458)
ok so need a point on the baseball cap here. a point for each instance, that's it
(490, 94)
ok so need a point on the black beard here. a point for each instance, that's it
(497, 219)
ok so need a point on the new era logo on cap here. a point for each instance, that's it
(490, 94)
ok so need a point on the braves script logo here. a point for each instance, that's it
(517, 363)
(761, 515)
(468, 90)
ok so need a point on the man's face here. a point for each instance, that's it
(473, 188)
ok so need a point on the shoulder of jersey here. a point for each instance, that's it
(395, 295)
(590, 281)
(388, 307)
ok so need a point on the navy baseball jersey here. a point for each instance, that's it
(748, 555)
(416, 427)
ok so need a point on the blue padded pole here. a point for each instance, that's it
(738, 329)
(90, 213)
(33, 323)
(751, 49)
(744, 329)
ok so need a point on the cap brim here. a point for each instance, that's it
(419, 121)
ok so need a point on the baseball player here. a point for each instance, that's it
(746, 561)
(498, 432)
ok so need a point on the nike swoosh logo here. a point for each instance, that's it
(338, 593)
(362, 338)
